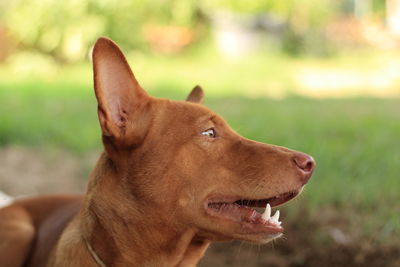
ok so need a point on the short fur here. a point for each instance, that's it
(147, 198)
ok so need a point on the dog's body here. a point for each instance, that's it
(173, 178)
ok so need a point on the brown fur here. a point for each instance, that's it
(146, 202)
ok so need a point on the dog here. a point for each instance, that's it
(173, 178)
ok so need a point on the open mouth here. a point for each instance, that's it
(243, 211)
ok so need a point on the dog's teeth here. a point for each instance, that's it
(267, 213)
(275, 218)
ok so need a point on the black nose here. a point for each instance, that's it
(305, 164)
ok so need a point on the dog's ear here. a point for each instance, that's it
(196, 95)
(118, 93)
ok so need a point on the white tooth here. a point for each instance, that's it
(267, 213)
(275, 217)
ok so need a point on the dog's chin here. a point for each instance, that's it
(227, 231)
(260, 239)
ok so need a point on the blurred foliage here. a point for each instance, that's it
(303, 11)
(65, 30)
(305, 20)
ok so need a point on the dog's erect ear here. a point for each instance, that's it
(117, 91)
(196, 95)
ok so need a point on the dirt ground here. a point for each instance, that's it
(307, 242)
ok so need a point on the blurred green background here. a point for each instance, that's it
(320, 76)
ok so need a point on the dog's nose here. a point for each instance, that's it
(305, 164)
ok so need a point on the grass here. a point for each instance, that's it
(355, 141)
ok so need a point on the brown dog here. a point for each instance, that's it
(173, 178)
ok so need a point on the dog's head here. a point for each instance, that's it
(181, 162)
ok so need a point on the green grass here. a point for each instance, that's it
(355, 141)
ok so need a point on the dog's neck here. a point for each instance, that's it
(126, 236)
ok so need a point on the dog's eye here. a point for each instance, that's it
(209, 133)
